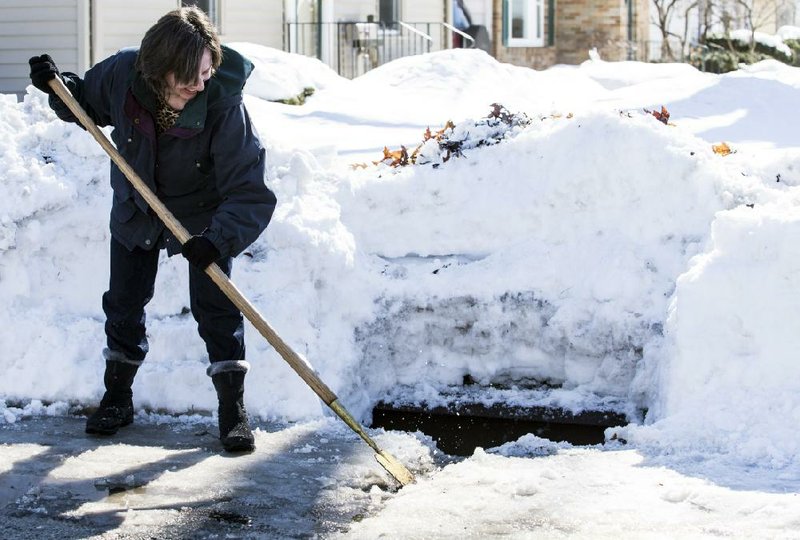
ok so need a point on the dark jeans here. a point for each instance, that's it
(133, 275)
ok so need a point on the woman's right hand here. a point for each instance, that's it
(43, 70)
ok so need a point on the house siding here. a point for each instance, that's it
(254, 21)
(410, 10)
(33, 27)
(354, 11)
(121, 23)
(423, 11)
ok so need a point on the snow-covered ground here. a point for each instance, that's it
(617, 258)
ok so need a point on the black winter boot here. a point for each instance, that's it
(234, 428)
(116, 407)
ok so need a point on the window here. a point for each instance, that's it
(388, 12)
(211, 7)
(523, 23)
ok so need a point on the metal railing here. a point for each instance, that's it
(353, 48)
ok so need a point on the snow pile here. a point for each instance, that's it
(452, 140)
(774, 41)
(539, 259)
(279, 75)
(788, 32)
(745, 37)
(615, 75)
(472, 80)
(730, 385)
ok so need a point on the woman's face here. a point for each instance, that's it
(183, 92)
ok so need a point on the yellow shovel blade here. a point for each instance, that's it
(395, 468)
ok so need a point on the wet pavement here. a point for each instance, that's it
(171, 480)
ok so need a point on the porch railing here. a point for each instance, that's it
(353, 48)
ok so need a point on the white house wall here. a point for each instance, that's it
(254, 21)
(354, 10)
(417, 11)
(32, 27)
(122, 23)
(410, 10)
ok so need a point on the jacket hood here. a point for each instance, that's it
(230, 78)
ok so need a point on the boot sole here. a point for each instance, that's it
(239, 447)
(108, 431)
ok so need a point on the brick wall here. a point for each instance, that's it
(580, 25)
(533, 57)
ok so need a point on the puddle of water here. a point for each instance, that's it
(230, 517)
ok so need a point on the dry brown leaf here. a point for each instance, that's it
(722, 149)
(662, 116)
(401, 158)
(448, 125)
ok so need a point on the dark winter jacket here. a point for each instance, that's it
(208, 169)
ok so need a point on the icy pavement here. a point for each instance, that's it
(171, 480)
(167, 479)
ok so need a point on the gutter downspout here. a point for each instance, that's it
(319, 29)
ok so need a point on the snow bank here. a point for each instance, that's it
(788, 32)
(279, 75)
(614, 75)
(745, 36)
(731, 384)
(472, 80)
(539, 259)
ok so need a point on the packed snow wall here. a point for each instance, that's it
(548, 259)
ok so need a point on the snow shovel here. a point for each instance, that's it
(398, 471)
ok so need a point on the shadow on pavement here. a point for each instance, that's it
(172, 481)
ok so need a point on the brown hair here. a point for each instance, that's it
(176, 44)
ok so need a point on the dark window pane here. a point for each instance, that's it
(518, 14)
(388, 11)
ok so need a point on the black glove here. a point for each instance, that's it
(43, 69)
(200, 252)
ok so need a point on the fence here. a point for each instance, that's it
(353, 48)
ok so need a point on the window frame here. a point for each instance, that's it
(394, 7)
(536, 13)
(214, 10)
